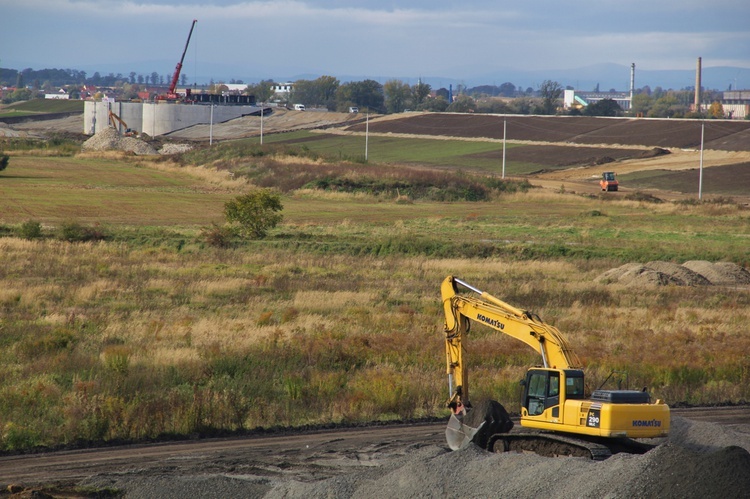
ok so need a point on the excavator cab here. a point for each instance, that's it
(547, 388)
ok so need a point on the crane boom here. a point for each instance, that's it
(178, 69)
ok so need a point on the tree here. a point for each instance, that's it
(667, 106)
(420, 91)
(326, 87)
(255, 213)
(320, 92)
(367, 94)
(263, 90)
(641, 104)
(462, 104)
(716, 110)
(550, 92)
(507, 89)
(439, 104)
(605, 107)
(397, 96)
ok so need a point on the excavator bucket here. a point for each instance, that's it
(459, 435)
(477, 426)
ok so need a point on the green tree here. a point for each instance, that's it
(605, 107)
(550, 92)
(326, 88)
(438, 104)
(667, 106)
(367, 94)
(420, 92)
(397, 96)
(641, 104)
(263, 90)
(20, 94)
(320, 92)
(255, 213)
(462, 104)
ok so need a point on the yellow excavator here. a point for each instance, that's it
(557, 418)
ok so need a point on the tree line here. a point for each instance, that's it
(394, 96)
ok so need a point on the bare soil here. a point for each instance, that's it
(692, 273)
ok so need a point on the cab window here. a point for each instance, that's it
(574, 387)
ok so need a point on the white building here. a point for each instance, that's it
(61, 94)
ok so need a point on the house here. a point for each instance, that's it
(60, 94)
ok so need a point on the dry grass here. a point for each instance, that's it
(127, 343)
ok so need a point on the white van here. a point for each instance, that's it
(299, 107)
(353, 109)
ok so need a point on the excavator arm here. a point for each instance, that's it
(522, 325)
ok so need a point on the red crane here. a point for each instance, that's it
(171, 95)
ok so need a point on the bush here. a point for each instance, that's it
(74, 232)
(4, 160)
(30, 230)
(255, 213)
(217, 236)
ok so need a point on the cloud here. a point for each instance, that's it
(369, 37)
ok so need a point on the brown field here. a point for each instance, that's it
(722, 135)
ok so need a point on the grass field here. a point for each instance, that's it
(40, 106)
(480, 156)
(336, 316)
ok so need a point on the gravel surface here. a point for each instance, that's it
(698, 459)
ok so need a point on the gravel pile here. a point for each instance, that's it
(175, 148)
(109, 139)
(698, 460)
(693, 273)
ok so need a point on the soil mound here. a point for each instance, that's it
(654, 152)
(720, 273)
(110, 139)
(693, 273)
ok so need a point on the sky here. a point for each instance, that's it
(405, 39)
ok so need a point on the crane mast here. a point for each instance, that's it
(176, 76)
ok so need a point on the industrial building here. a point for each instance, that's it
(578, 99)
(736, 104)
(160, 117)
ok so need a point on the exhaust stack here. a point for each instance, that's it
(698, 87)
